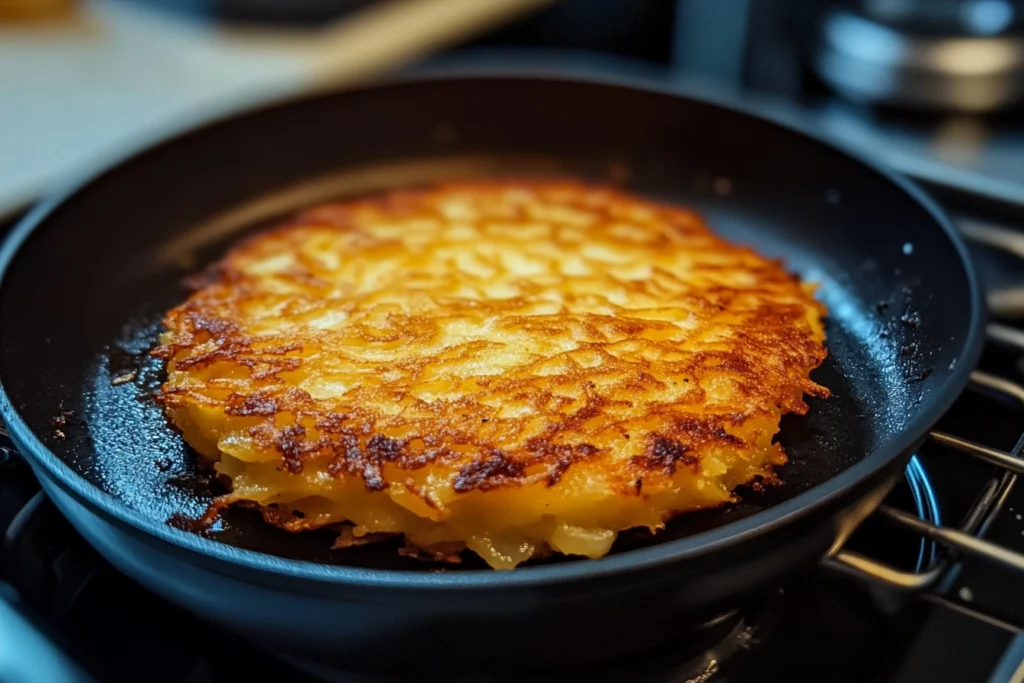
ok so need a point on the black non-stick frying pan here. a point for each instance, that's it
(87, 276)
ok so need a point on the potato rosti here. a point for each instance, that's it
(513, 367)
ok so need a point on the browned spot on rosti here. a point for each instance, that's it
(258, 403)
(514, 367)
(665, 454)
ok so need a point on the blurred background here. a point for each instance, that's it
(934, 87)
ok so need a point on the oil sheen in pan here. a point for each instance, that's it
(144, 462)
(142, 459)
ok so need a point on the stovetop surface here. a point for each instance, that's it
(820, 627)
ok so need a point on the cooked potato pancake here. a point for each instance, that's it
(516, 368)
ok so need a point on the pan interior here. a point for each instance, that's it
(83, 299)
(149, 467)
(153, 470)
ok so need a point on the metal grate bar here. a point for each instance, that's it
(967, 539)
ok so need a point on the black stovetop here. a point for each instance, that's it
(819, 628)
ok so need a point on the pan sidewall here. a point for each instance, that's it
(342, 626)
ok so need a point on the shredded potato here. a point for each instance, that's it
(517, 368)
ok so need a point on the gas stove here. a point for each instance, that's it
(67, 606)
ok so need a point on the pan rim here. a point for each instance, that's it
(112, 509)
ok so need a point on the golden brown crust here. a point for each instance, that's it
(494, 335)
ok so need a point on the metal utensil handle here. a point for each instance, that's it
(28, 653)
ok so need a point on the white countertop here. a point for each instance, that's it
(73, 93)
(78, 91)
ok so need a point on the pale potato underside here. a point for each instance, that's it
(514, 367)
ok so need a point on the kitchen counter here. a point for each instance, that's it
(75, 92)
(78, 92)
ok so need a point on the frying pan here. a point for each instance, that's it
(86, 277)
